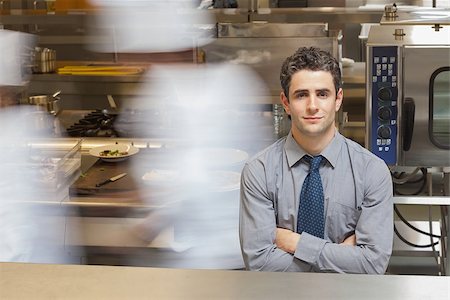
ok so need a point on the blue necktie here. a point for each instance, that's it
(310, 217)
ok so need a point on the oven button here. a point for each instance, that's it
(384, 94)
(384, 132)
(384, 113)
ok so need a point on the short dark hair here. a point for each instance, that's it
(312, 59)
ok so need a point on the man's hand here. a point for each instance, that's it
(350, 241)
(287, 240)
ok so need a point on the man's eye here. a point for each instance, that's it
(322, 94)
(302, 95)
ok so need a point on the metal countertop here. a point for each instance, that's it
(36, 281)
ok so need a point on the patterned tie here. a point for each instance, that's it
(310, 213)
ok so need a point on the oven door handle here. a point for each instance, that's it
(409, 109)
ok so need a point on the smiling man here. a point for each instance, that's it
(315, 201)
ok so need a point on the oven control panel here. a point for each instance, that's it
(384, 103)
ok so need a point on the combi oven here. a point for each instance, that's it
(408, 95)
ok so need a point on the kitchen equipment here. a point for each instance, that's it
(46, 103)
(408, 94)
(112, 179)
(97, 123)
(56, 164)
(44, 60)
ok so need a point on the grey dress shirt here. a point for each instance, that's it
(358, 199)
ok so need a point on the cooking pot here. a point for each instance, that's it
(44, 60)
(46, 102)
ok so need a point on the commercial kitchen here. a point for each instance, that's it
(125, 126)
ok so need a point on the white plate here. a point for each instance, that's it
(130, 150)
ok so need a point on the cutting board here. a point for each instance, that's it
(101, 171)
(130, 189)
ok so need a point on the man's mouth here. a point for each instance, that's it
(312, 118)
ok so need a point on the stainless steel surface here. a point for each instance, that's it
(444, 202)
(265, 54)
(421, 51)
(82, 282)
(422, 200)
(419, 64)
(345, 19)
(274, 30)
(420, 35)
(419, 16)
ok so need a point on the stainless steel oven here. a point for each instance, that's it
(408, 94)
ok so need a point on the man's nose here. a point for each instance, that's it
(312, 103)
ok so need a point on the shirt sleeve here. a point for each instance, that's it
(374, 232)
(257, 225)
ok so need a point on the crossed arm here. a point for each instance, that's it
(287, 240)
(268, 248)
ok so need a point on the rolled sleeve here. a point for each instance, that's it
(309, 248)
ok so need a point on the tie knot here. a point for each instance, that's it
(314, 162)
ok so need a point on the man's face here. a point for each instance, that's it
(312, 103)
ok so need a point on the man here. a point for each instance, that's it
(350, 228)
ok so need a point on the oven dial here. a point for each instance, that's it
(384, 113)
(384, 132)
(384, 94)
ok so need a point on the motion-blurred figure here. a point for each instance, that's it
(196, 110)
(199, 169)
(148, 26)
(30, 229)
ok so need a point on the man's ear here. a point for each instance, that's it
(285, 101)
(339, 99)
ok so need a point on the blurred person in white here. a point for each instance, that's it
(29, 231)
(149, 26)
(195, 110)
(197, 173)
(351, 230)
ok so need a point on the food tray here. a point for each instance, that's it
(55, 164)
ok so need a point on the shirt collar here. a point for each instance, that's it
(293, 151)
(331, 152)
